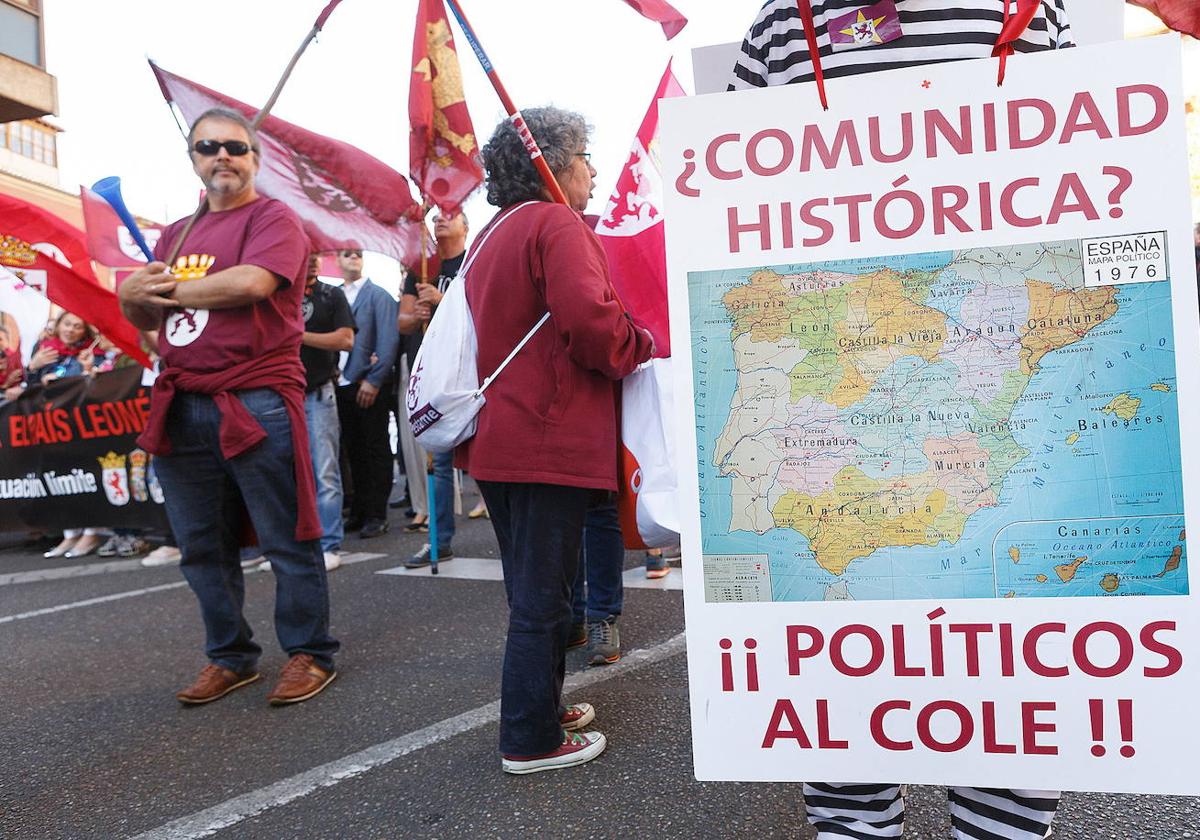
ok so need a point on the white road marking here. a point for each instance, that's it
(233, 811)
(104, 599)
(118, 596)
(481, 568)
(635, 578)
(351, 558)
(61, 572)
(461, 568)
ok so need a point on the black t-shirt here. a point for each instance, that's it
(324, 311)
(448, 272)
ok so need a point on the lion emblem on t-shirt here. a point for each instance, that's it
(183, 326)
(306, 309)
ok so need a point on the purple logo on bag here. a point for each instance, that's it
(866, 27)
(422, 419)
(414, 385)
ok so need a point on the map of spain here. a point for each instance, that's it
(979, 423)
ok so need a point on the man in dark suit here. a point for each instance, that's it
(364, 394)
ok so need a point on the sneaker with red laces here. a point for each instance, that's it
(300, 679)
(213, 683)
(576, 748)
(577, 716)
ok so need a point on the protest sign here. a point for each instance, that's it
(933, 347)
(70, 458)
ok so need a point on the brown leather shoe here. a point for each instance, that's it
(301, 679)
(213, 683)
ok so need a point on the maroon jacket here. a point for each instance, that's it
(551, 416)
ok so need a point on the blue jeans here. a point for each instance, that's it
(443, 491)
(539, 528)
(205, 494)
(601, 567)
(324, 441)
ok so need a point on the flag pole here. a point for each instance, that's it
(259, 117)
(514, 115)
(430, 483)
(308, 39)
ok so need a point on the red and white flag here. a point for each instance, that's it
(662, 12)
(344, 197)
(45, 254)
(443, 150)
(631, 231)
(1180, 15)
(631, 227)
(109, 241)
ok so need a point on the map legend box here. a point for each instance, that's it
(736, 577)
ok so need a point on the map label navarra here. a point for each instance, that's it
(963, 424)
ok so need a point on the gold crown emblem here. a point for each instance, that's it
(15, 251)
(112, 461)
(192, 267)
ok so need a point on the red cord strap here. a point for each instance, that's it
(814, 53)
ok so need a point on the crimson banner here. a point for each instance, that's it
(443, 151)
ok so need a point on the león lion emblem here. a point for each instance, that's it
(320, 189)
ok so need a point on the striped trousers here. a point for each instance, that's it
(866, 812)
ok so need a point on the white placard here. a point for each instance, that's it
(954, 454)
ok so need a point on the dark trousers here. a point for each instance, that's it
(365, 442)
(443, 502)
(599, 587)
(204, 494)
(539, 528)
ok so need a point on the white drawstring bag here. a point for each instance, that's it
(648, 498)
(444, 393)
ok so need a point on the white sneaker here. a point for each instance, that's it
(262, 564)
(164, 555)
(332, 560)
(576, 748)
(251, 562)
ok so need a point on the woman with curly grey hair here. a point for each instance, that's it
(546, 444)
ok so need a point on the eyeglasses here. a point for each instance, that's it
(587, 157)
(348, 254)
(209, 148)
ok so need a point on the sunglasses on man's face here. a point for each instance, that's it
(348, 254)
(209, 148)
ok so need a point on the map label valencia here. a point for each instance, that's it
(934, 391)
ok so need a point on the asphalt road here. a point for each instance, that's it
(402, 745)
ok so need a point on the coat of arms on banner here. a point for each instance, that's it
(138, 460)
(114, 479)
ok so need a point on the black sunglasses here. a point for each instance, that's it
(210, 148)
(346, 254)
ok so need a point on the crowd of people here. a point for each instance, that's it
(239, 369)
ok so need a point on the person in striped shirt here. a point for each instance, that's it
(775, 50)
(901, 33)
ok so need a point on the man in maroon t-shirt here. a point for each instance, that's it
(227, 414)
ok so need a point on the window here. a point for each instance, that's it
(31, 140)
(20, 34)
